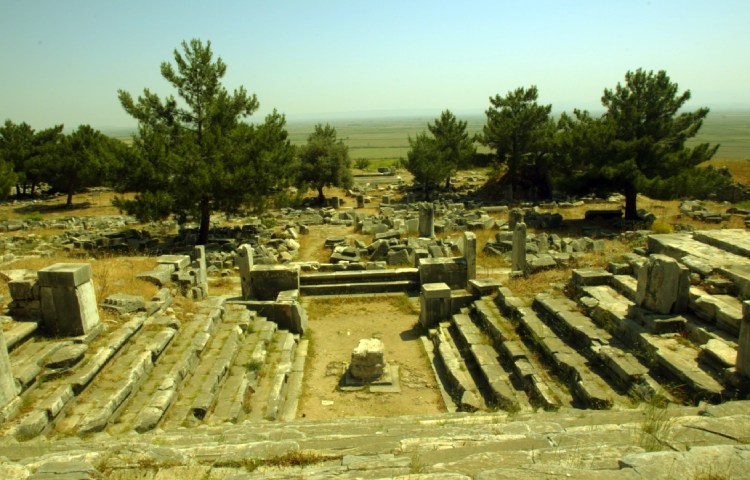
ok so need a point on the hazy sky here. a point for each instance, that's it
(63, 61)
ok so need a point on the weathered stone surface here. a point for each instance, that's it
(7, 382)
(66, 356)
(124, 303)
(434, 303)
(68, 299)
(663, 285)
(367, 362)
(518, 259)
(268, 280)
(743, 342)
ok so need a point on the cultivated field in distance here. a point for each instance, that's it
(384, 140)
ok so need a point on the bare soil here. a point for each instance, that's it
(335, 327)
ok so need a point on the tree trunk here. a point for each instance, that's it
(69, 203)
(448, 182)
(321, 197)
(205, 221)
(631, 197)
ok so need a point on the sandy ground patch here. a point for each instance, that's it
(335, 327)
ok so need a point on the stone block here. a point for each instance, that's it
(177, 262)
(23, 289)
(124, 303)
(7, 383)
(67, 275)
(367, 362)
(451, 271)
(268, 280)
(663, 285)
(435, 304)
(68, 310)
(743, 342)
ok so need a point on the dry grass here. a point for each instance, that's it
(224, 286)
(110, 275)
(740, 169)
(84, 204)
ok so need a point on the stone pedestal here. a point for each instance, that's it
(743, 342)
(7, 382)
(426, 220)
(663, 285)
(367, 362)
(68, 299)
(199, 264)
(470, 255)
(518, 260)
(435, 304)
(244, 261)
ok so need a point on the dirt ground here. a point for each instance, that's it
(335, 326)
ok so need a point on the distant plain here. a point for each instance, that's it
(384, 140)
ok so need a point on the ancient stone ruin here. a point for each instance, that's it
(571, 382)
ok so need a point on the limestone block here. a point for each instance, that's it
(743, 342)
(367, 361)
(470, 254)
(426, 220)
(451, 271)
(68, 275)
(177, 262)
(268, 280)
(68, 299)
(23, 289)
(663, 285)
(518, 258)
(7, 382)
(435, 304)
(124, 303)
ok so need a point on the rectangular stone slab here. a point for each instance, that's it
(64, 275)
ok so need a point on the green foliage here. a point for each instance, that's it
(195, 156)
(426, 162)
(639, 144)
(28, 153)
(7, 178)
(433, 159)
(362, 163)
(452, 140)
(520, 132)
(82, 160)
(324, 161)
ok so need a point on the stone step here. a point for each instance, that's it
(567, 444)
(18, 333)
(493, 378)
(541, 389)
(679, 360)
(200, 387)
(360, 276)
(457, 379)
(724, 311)
(287, 346)
(48, 397)
(673, 356)
(269, 382)
(578, 371)
(232, 398)
(360, 288)
(147, 407)
(626, 285)
(94, 407)
(293, 390)
(731, 240)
